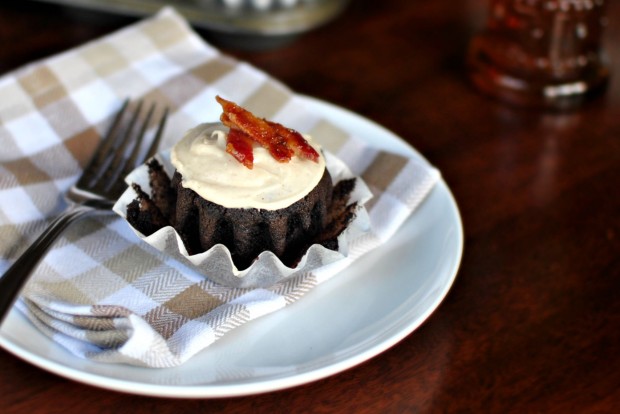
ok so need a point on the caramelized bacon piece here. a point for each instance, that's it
(277, 148)
(281, 142)
(239, 145)
(235, 117)
(295, 141)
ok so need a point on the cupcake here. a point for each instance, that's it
(249, 185)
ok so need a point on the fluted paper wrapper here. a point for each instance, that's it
(216, 263)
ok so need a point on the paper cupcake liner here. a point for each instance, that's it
(216, 263)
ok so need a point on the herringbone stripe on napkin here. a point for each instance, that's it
(100, 292)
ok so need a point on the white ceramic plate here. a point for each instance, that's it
(368, 308)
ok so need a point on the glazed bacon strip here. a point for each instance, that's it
(239, 145)
(281, 142)
(296, 141)
(277, 148)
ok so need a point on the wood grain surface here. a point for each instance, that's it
(532, 323)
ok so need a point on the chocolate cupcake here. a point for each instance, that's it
(250, 196)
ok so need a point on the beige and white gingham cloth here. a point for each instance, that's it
(100, 292)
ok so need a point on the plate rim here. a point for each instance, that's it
(263, 385)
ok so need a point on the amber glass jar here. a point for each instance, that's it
(544, 53)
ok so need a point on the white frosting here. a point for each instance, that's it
(206, 167)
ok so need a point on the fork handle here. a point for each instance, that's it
(16, 276)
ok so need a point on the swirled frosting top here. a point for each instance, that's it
(201, 159)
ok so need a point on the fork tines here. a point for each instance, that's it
(118, 151)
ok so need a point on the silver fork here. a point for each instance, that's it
(97, 189)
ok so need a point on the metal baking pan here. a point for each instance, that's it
(235, 17)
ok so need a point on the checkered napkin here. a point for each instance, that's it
(100, 292)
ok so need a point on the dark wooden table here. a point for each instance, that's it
(532, 323)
